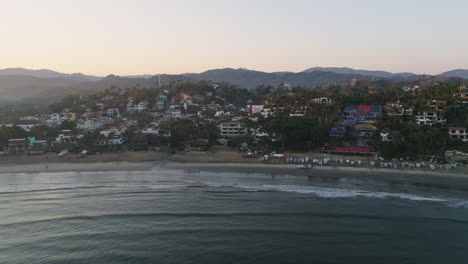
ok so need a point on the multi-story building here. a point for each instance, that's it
(395, 108)
(429, 118)
(232, 129)
(28, 125)
(255, 109)
(437, 104)
(113, 141)
(141, 106)
(112, 112)
(463, 94)
(66, 136)
(338, 131)
(458, 133)
(322, 100)
(56, 119)
(299, 111)
(115, 130)
(387, 135)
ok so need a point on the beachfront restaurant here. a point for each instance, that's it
(18, 145)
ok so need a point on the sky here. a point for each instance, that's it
(127, 37)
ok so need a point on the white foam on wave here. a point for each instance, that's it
(331, 193)
(458, 203)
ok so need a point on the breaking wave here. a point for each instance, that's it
(331, 193)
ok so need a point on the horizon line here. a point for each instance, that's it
(222, 68)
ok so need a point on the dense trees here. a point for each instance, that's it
(142, 118)
(291, 133)
(440, 91)
(412, 139)
(297, 133)
(88, 141)
(457, 115)
(183, 131)
(7, 133)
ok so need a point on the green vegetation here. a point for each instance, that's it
(204, 105)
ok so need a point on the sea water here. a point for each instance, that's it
(172, 216)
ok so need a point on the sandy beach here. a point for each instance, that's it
(226, 161)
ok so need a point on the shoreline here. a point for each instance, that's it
(109, 166)
(174, 164)
(222, 160)
(364, 174)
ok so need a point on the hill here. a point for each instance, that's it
(18, 83)
(250, 79)
(47, 74)
(378, 74)
(459, 73)
(15, 87)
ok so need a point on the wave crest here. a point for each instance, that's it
(330, 193)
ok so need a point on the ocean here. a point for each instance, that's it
(172, 216)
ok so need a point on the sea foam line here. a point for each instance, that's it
(331, 193)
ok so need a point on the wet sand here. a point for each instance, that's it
(228, 161)
(451, 179)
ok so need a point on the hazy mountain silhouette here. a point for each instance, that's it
(20, 83)
(344, 70)
(48, 74)
(459, 73)
(15, 87)
(250, 79)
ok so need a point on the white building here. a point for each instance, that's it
(176, 114)
(141, 106)
(458, 133)
(28, 127)
(322, 100)
(29, 118)
(56, 119)
(66, 136)
(299, 111)
(259, 134)
(222, 113)
(112, 112)
(409, 89)
(266, 112)
(90, 124)
(398, 109)
(112, 141)
(150, 130)
(116, 130)
(232, 129)
(387, 135)
(429, 118)
(254, 109)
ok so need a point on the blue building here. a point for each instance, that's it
(338, 131)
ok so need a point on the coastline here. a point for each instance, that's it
(230, 162)
(362, 174)
(79, 167)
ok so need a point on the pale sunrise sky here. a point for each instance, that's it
(124, 37)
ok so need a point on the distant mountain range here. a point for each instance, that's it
(460, 73)
(18, 83)
(47, 74)
(378, 74)
(250, 79)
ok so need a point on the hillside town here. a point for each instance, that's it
(418, 121)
